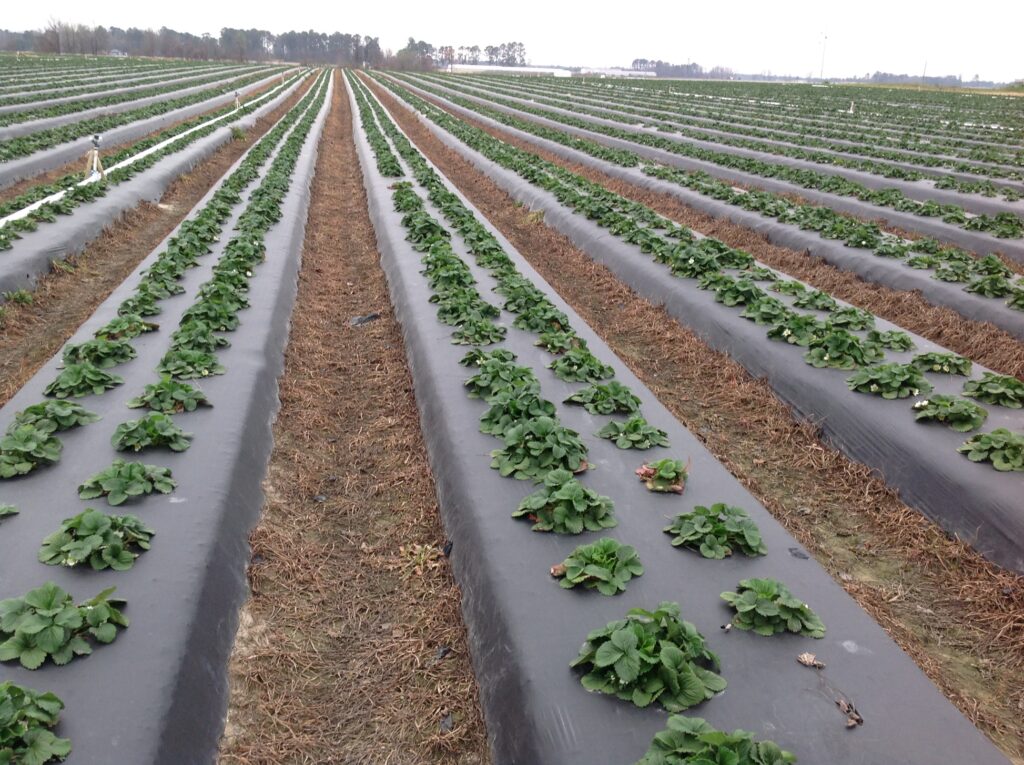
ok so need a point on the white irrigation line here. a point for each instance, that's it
(95, 176)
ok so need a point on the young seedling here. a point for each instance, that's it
(717, 531)
(565, 506)
(691, 740)
(651, 656)
(47, 624)
(77, 380)
(959, 414)
(607, 398)
(667, 475)
(26, 716)
(1000, 390)
(945, 363)
(634, 433)
(125, 328)
(154, 430)
(767, 607)
(536, 447)
(606, 565)
(890, 381)
(101, 353)
(101, 540)
(125, 480)
(1002, 447)
(25, 448)
(170, 397)
(891, 339)
(54, 416)
(580, 365)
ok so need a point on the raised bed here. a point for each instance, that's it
(863, 262)
(971, 240)
(973, 501)
(32, 255)
(158, 693)
(48, 159)
(524, 629)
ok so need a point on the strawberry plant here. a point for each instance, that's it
(565, 506)
(77, 380)
(608, 398)
(535, 447)
(634, 433)
(476, 357)
(26, 716)
(555, 341)
(125, 328)
(142, 304)
(798, 329)
(788, 287)
(767, 607)
(759, 274)
(717, 531)
(170, 397)
(959, 414)
(840, 349)
(541, 317)
(46, 623)
(891, 339)
(1016, 300)
(101, 540)
(990, 286)
(691, 741)
(54, 416)
(126, 480)
(816, 300)
(667, 475)
(496, 375)
(605, 565)
(509, 408)
(580, 365)
(25, 448)
(221, 316)
(767, 311)
(460, 304)
(852, 318)
(739, 292)
(1001, 390)
(101, 353)
(154, 430)
(947, 363)
(197, 336)
(1002, 447)
(651, 656)
(476, 331)
(189, 365)
(890, 381)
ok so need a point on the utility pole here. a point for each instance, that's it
(823, 44)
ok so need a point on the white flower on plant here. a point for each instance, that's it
(786, 333)
(874, 388)
(915, 392)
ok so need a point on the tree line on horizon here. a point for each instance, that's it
(338, 49)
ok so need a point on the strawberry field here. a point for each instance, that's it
(717, 391)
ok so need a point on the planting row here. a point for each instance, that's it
(762, 331)
(180, 562)
(167, 154)
(951, 154)
(113, 100)
(746, 168)
(686, 531)
(48, 92)
(977, 288)
(25, 145)
(915, 181)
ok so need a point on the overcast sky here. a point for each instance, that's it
(981, 37)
